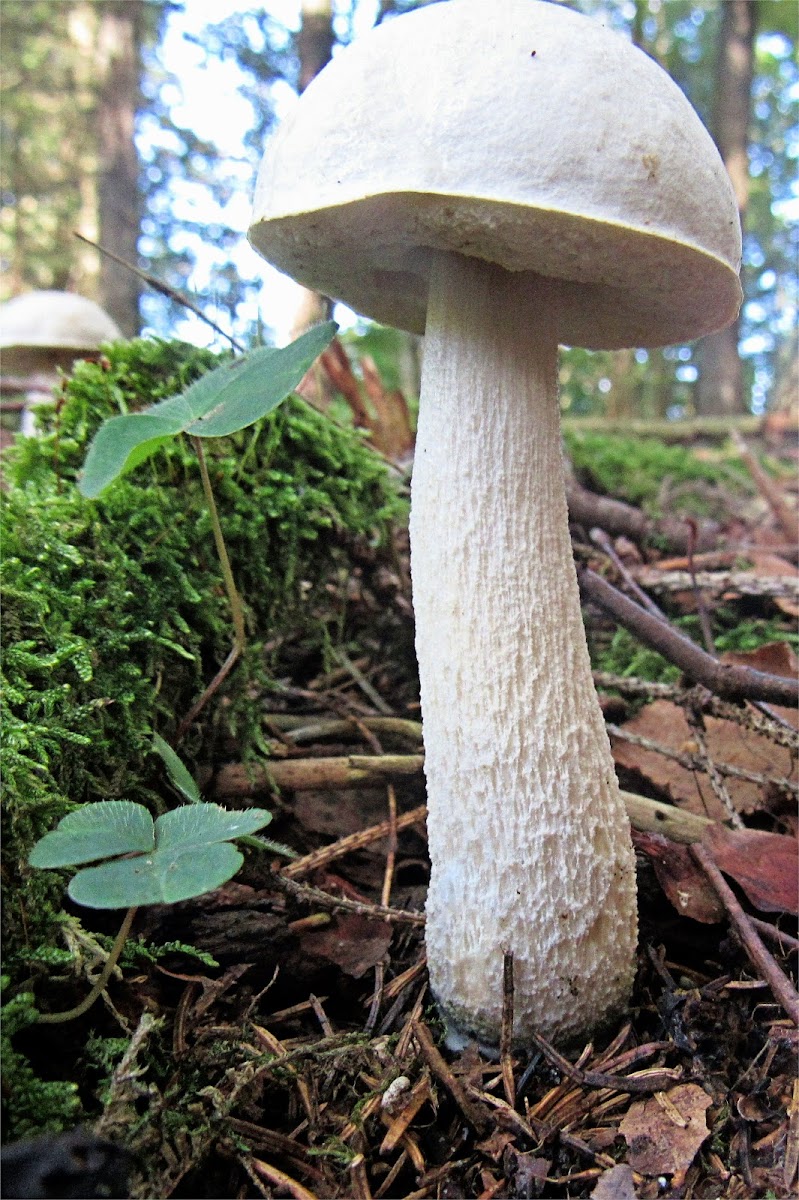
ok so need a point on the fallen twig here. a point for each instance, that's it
(313, 895)
(786, 515)
(304, 774)
(745, 583)
(651, 1080)
(615, 517)
(694, 762)
(474, 1115)
(748, 718)
(727, 680)
(760, 956)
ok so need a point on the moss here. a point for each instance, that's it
(634, 469)
(627, 657)
(115, 614)
(39, 1105)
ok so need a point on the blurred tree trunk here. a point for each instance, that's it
(70, 93)
(720, 386)
(49, 161)
(314, 45)
(118, 64)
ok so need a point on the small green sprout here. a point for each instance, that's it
(227, 399)
(137, 861)
(224, 401)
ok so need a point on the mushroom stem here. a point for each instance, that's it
(529, 839)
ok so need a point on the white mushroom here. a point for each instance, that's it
(42, 332)
(505, 179)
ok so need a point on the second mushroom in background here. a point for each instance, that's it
(506, 179)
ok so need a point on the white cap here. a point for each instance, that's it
(521, 133)
(39, 329)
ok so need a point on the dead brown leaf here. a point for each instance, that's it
(764, 864)
(664, 1132)
(683, 882)
(354, 943)
(727, 742)
(776, 658)
(615, 1184)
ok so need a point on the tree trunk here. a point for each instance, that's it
(119, 37)
(720, 386)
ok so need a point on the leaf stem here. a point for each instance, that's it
(236, 610)
(230, 585)
(99, 987)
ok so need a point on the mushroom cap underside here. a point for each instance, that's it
(529, 136)
(44, 327)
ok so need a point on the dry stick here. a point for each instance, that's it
(356, 841)
(785, 514)
(280, 1179)
(729, 681)
(615, 517)
(697, 724)
(601, 539)
(363, 683)
(309, 728)
(391, 854)
(163, 288)
(743, 582)
(475, 1117)
(758, 722)
(653, 1080)
(693, 762)
(248, 779)
(761, 958)
(784, 940)
(506, 1031)
(701, 606)
(312, 895)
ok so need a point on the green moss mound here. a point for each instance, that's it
(636, 469)
(115, 615)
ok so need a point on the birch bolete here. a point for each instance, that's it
(43, 331)
(504, 179)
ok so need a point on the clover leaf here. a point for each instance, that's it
(184, 853)
(227, 399)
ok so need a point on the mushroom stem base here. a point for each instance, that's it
(529, 839)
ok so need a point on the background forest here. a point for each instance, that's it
(103, 134)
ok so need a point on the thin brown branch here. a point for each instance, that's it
(354, 770)
(729, 681)
(743, 715)
(354, 841)
(786, 515)
(652, 1080)
(617, 518)
(694, 762)
(474, 1115)
(313, 895)
(760, 957)
(745, 583)
(158, 286)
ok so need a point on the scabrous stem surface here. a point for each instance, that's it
(529, 839)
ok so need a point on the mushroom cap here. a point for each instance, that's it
(524, 134)
(46, 329)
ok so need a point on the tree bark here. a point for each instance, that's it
(720, 388)
(119, 37)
